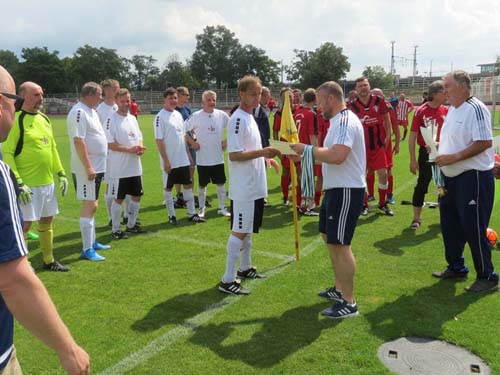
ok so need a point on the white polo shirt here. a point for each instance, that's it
(346, 129)
(462, 126)
(169, 126)
(125, 131)
(247, 179)
(209, 130)
(83, 122)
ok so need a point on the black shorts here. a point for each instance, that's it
(179, 175)
(211, 173)
(339, 214)
(246, 211)
(129, 186)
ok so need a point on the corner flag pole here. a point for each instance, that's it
(288, 131)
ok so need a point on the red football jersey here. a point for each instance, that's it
(426, 113)
(323, 126)
(371, 116)
(403, 108)
(277, 121)
(306, 123)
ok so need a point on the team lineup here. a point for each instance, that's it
(342, 146)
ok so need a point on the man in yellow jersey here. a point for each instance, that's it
(31, 153)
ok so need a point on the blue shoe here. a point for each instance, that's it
(90, 254)
(100, 246)
(390, 199)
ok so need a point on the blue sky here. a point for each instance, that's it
(449, 33)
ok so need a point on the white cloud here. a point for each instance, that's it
(446, 31)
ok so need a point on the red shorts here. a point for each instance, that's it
(389, 155)
(376, 159)
(318, 171)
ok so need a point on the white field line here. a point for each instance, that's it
(188, 326)
(195, 241)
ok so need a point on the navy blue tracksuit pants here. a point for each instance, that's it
(465, 214)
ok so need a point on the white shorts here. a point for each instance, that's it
(43, 203)
(87, 190)
(246, 217)
(112, 188)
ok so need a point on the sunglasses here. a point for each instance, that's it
(19, 100)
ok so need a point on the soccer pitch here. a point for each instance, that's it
(152, 307)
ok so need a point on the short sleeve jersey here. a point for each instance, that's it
(323, 126)
(247, 179)
(306, 123)
(83, 122)
(105, 111)
(425, 113)
(12, 246)
(125, 131)
(371, 116)
(209, 130)
(38, 160)
(169, 127)
(403, 108)
(345, 129)
(462, 126)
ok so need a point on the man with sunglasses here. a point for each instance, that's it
(31, 153)
(22, 294)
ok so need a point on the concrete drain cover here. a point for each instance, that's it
(424, 356)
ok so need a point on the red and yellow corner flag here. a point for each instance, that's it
(288, 131)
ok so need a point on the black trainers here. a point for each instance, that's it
(332, 294)
(208, 204)
(119, 235)
(250, 273)
(55, 266)
(449, 274)
(386, 210)
(483, 285)
(197, 219)
(172, 220)
(135, 229)
(233, 288)
(364, 211)
(180, 203)
(341, 310)
(371, 198)
(311, 212)
(125, 221)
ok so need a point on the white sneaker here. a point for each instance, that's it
(201, 212)
(224, 212)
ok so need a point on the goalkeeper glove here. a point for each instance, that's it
(25, 194)
(63, 184)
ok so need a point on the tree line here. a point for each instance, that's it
(219, 60)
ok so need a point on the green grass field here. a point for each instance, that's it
(152, 307)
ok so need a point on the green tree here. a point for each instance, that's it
(176, 74)
(45, 68)
(312, 68)
(213, 59)
(144, 73)
(378, 77)
(96, 64)
(9, 61)
(253, 60)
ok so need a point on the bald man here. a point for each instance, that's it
(31, 153)
(22, 294)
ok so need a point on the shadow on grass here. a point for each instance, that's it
(276, 338)
(420, 314)
(407, 238)
(178, 309)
